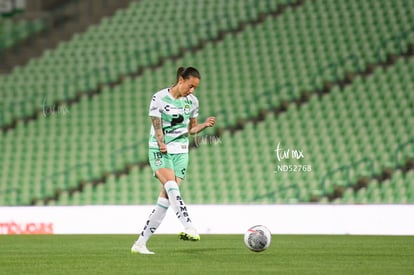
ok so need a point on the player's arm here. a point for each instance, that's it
(159, 135)
(195, 128)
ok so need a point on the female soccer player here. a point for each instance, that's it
(173, 113)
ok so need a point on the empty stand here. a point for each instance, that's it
(243, 75)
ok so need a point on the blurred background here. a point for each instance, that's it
(314, 100)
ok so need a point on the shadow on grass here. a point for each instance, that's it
(203, 250)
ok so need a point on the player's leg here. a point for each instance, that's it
(157, 215)
(180, 169)
(154, 221)
(171, 186)
(190, 232)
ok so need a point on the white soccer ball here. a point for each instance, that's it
(257, 238)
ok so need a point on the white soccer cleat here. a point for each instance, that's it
(190, 234)
(140, 248)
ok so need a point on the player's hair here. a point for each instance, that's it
(186, 73)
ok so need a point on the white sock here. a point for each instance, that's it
(177, 203)
(154, 220)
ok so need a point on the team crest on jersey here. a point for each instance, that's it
(186, 109)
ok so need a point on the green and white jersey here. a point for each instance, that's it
(175, 116)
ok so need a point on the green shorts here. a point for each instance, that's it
(176, 162)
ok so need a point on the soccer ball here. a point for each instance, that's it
(257, 238)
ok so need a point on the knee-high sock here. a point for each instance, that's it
(154, 220)
(177, 203)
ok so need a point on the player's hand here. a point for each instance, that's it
(163, 147)
(210, 121)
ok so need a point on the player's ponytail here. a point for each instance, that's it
(180, 71)
(186, 73)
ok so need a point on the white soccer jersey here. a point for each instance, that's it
(175, 116)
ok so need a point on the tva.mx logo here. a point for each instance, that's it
(288, 153)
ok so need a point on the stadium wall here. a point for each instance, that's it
(213, 219)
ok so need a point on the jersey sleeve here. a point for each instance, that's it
(194, 112)
(155, 109)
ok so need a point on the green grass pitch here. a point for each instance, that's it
(214, 254)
